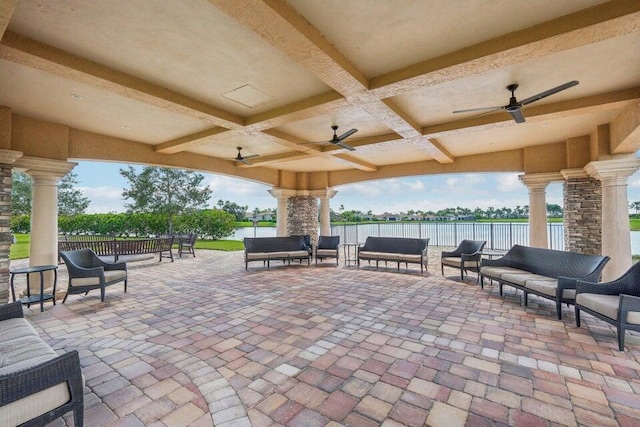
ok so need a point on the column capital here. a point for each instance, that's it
(539, 180)
(282, 192)
(327, 193)
(614, 172)
(47, 168)
(574, 173)
(9, 157)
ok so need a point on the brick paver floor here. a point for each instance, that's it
(202, 342)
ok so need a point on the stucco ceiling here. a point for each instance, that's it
(204, 77)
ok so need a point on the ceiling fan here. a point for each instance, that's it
(514, 106)
(243, 159)
(339, 140)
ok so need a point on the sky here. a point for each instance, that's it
(102, 183)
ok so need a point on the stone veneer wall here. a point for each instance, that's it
(5, 232)
(583, 215)
(303, 216)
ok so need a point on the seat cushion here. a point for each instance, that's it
(109, 276)
(15, 328)
(24, 352)
(457, 262)
(606, 305)
(386, 256)
(36, 404)
(496, 272)
(520, 278)
(549, 287)
(327, 253)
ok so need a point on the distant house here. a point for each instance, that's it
(388, 217)
(265, 216)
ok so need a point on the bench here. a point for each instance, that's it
(547, 273)
(123, 250)
(267, 249)
(37, 385)
(394, 249)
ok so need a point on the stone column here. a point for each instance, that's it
(7, 158)
(43, 249)
(282, 195)
(537, 185)
(616, 239)
(582, 212)
(325, 211)
(303, 216)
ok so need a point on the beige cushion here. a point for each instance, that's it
(298, 254)
(15, 328)
(24, 352)
(386, 256)
(109, 276)
(496, 272)
(520, 278)
(251, 256)
(548, 287)
(327, 252)
(606, 305)
(457, 262)
(23, 410)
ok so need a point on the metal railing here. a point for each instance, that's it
(499, 235)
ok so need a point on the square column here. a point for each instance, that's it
(616, 237)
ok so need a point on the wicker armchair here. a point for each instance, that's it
(465, 257)
(88, 272)
(616, 302)
(327, 248)
(187, 244)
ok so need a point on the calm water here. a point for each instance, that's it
(443, 235)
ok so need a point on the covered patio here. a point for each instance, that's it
(201, 342)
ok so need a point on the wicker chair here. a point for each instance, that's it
(616, 302)
(88, 272)
(465, 257)
(327, 248)
(187, 244)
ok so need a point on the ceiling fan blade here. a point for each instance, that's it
(251, 156)
(345, 145)
(548, 92)
(469, 110)
(244, 160)
(517, 116)
(347, 134)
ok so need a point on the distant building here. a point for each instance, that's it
(265, 216)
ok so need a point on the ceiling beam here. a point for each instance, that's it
(6, 10)
(275, 158)
(602, 22)
(573, 107)
(33, 54)
(187, 142)
(362, 165)
(625, 130)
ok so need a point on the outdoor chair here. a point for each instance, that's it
(327, 248)
(465, 257)
(187, 244)
(616, 302)
(88, 272)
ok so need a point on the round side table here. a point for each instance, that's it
(42, 297)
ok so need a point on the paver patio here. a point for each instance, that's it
(201, 342)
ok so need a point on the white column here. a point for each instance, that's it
(43, 249)
(282, 195)
(537, 186)
(325, 211)
(616, 238)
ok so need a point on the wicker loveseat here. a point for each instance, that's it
(267, 249)
(36, 385)
(394, 249)
(547, 273)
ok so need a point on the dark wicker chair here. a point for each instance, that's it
(328, 247)
(88, 272)
(616, 302)
(187, 244)
(466, 257)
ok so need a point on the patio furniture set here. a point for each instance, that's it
(288, 248)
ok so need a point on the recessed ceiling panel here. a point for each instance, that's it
(383, 36)
(188, 46)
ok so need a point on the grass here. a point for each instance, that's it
(634, 224)
(20, 249)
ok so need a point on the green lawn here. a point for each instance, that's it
(20, 249)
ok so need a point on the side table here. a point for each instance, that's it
(42, 297)
(348, 259)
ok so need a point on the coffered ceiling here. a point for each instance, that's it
(200, 78)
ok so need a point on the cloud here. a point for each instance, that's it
(509, 182)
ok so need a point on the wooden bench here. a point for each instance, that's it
(123, 250)
(394, 249)
(267, 249)
(547, 273)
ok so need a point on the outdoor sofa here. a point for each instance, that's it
(547, 273)
(267, 249)
(37, 385)
(394, 249)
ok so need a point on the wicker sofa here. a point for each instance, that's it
(267, 249)
(36, 385)
(547, 273)
(394, 249)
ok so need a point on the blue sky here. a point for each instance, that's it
(103, 185)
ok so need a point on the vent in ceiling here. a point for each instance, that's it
(248, 96)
